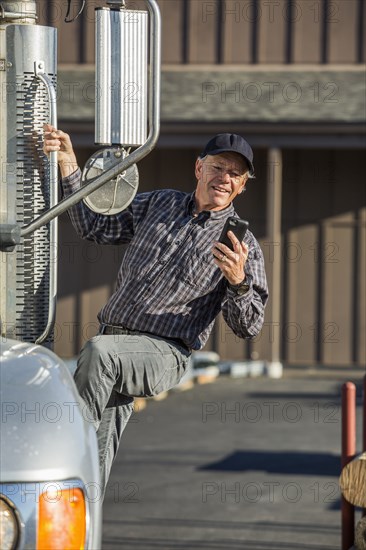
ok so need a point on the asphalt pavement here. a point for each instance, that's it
(238, 464)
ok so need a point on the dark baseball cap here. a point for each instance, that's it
(222, 143)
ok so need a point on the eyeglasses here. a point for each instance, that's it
(220, 169)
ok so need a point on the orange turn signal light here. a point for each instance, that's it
(62, 520)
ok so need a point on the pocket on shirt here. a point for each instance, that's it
(201, 271)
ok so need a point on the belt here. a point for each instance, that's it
(121, 329)
(114, 329)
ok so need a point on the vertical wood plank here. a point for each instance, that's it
(273, 232)
(172, 30)
(362, 32)
(230, 346)
(64, 344)
(272, 31)
(68, 33)
(306, 32)
(89, 29)
(184, 178)
(159, 170)
(93, 299)
(297, 332)
(42, 12)
(350, 201)
(337, 256)
(236, 32)
(310, 191)
(203, 17)
(251, 206)
(342, 31)
(292, 170)
(336, 330)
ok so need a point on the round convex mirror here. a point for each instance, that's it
(115, 195)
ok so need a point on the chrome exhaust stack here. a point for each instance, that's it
(28, 180)
(29, 207)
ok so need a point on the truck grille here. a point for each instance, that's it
(32, 198)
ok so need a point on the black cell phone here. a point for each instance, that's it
(237, 226)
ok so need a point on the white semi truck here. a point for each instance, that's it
(50, 495)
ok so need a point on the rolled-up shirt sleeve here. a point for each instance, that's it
(245, 314)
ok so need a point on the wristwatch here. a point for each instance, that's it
(242, 288)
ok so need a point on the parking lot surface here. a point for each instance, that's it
(240, 463)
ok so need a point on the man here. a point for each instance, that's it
(174, 280)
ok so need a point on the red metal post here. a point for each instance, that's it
(364, 415)
(348, 453)
(364, 423)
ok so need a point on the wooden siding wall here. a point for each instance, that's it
(232, 31)
(323, 258)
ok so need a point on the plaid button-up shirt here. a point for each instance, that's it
(168, 283)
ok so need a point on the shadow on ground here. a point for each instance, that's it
(280, 462)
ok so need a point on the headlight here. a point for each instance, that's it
(9, 528)
(62, 520)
